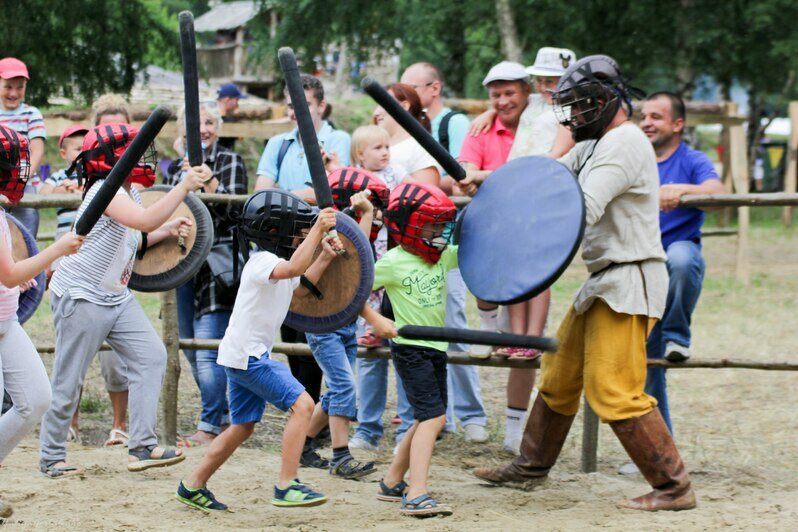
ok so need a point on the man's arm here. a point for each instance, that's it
(670, 195)
(267, 172)
(474, 178)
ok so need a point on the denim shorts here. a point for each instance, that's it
(264, 380)
(423, 373)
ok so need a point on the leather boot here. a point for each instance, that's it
(651, 448)
(544, 437)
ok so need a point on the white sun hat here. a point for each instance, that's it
(551, 62)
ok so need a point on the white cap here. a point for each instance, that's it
(506, 71)
(552, 62)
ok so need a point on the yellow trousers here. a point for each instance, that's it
(603, 352)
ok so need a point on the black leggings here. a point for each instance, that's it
(305, 369)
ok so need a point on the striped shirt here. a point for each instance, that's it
(65, 216)
(25, 119)
(100, 271)
(9, 297)
(228, 167)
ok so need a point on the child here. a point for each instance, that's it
(22, 373)
(24, 119)
(91, 288)
(371, 149)
(335, 352)
(419, 218)
(70, 145)
(275, 221)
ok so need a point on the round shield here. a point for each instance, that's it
(23, 246)
(345, 285)
(171, 262)
(529, 214)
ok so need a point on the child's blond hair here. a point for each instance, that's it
(365, 135)
(110, 104)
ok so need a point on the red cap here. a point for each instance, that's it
(11, 67)
(72, 130)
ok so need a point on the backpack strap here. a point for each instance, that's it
(443, 129)
(281, 154)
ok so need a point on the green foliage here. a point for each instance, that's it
(85, 47)
(91, 403)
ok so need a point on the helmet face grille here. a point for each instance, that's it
(420, 218)
(14, 164)
(275, 221)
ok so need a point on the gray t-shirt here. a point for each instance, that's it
(100, 271)
(622, 248)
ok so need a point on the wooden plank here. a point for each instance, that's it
(739, 170)
(792, 162)
(590, 428)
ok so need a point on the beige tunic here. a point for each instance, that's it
(622, 248)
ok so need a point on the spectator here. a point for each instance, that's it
(227, 101)
(204, 303)
(27, 120)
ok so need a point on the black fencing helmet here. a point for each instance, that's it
(589, 94)
(273, 220)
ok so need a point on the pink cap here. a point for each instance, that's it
(11, 67)
(72, 130)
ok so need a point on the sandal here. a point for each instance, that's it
(352, 469)
(116, 437)
(59, 469)
(393, 494)
(145, 460)
(190, 443)
(505, 351)
(423, 506)
(525, 354)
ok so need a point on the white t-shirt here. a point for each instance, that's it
(392, 175)
(101, 270)
(410, 155)
(260, 308)
(537, 129)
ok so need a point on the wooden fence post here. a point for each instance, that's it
(729, 110)
(171, 340)
(791, 175)
(739, 172)
(590, 427)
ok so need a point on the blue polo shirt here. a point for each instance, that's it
(458, 128)
(684, 166)
(294, 173)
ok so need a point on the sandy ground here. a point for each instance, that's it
(736, 430)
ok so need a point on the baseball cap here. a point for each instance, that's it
(506, 71)
(11, 67)
(552, 62)
(230, 90)
(72, 130)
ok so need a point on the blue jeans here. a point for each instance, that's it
(372, 376)
(465, 400)
(209, 376)
(686, 273)
(336, 353)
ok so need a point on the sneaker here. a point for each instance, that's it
(512, 446)
(676, 353)
(628, 469)
(360, 443)
(352, 469)
(369, 340)
(297, 494)
(310, 458)
(201, 499)
(480, 351)
(475, 433)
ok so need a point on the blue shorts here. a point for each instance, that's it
(264, 380)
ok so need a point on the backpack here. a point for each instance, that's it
(443, 129)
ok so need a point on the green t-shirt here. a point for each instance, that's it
(417, 289)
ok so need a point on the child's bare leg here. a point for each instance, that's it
(318, 421)
(518, 317)
(521, 381)
(219, 451)
(538, 312)
(119, 404)
(401, 462)
(421, 454)
(339, 431)
(294, 433)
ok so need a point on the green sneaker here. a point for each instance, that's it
(201, 499)
(297, 494)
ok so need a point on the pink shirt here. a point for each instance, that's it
(490, 150)
(9, 297)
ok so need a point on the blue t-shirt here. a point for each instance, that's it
(684, 166)
(294, 173)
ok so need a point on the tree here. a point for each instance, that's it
(82, 48)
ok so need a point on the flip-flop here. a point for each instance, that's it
(423, 506)
(116, 437)
(190, 443)
(145, 459)
(53, 470)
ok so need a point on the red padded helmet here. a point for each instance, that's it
(103, 145)
(410, 208)
(14, 164)
(346, 181)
